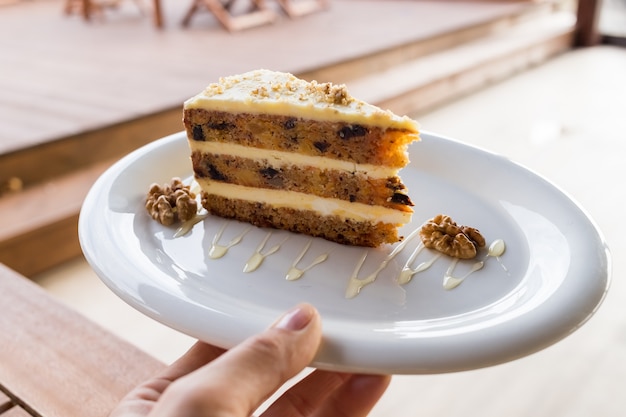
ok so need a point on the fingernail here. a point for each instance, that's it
(296, 319)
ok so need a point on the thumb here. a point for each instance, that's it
(238, 382)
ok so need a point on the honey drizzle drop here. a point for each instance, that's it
(407, 272)
(295, 273)
(189, 224)
(218, 251)
(355, 285)
(450, 282)
(497, 249)
(258, 257)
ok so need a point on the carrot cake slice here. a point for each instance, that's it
(277, 151)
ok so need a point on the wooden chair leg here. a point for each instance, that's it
(85, 7)
(295, 9)
(155, 10)
(192, 10)
(221, 10)
(220, 13)
(158, 14)
(69, 6)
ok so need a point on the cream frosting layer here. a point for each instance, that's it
(302, 201)
(279, 93)
(281, 158)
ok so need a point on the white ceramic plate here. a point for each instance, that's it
(552, 277)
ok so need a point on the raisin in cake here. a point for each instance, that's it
(277, 151)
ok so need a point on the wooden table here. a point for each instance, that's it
(55, 362)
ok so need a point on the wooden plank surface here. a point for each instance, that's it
(43, 227)
(90, 75)
(58, 363)
(64, 156)
(426, 82)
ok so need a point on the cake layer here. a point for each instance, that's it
(330, 227)
(276, 93)
(279, 159)
(361, 144)
(303, 201)
(356, 187)
(273, 150)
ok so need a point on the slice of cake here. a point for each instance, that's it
(277, 151)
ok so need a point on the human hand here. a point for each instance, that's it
(209, 381)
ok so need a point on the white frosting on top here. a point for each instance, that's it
(279, 93)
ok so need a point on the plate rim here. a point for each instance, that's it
(331, 348)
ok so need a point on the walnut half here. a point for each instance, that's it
(171, 202)
(444, 235)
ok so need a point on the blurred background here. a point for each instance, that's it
(541, 82)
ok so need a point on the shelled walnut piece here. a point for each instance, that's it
(444, 235)
(171, 202)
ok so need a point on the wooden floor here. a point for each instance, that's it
(62, 76)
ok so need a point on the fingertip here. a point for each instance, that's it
(302, 325)
(298, 318)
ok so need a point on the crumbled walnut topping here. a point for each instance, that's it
(171, 202)
(265, 85)
(214, 90)
(444, 235)
(330, 93)
(339, 94)
(261, 92)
